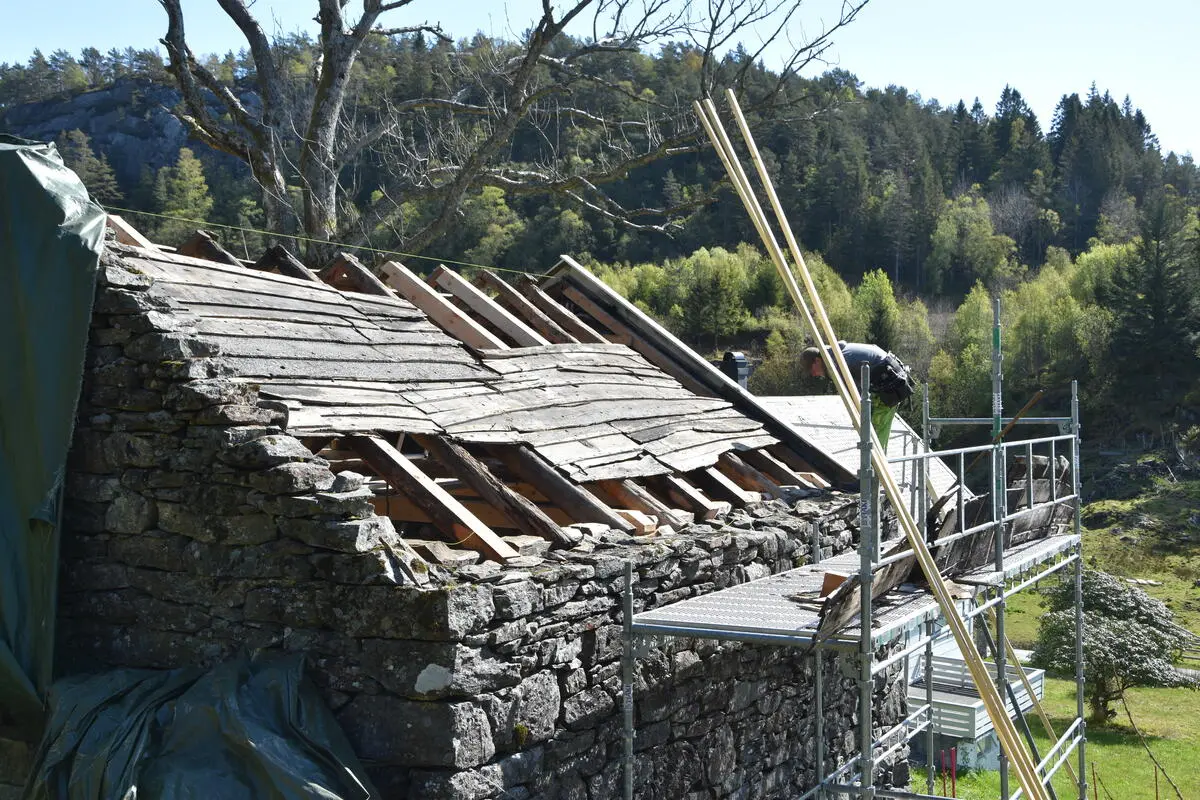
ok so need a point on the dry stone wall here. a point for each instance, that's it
(196, 526)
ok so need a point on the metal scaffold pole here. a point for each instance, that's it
(999, 511)
(868, 536)
(1075, 489)
(627, 657)
(930, 734)
(819, 657)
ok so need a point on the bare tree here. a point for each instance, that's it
(305, 138)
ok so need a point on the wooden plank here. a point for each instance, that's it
(516, 330)
(348, 273)
(747, 476)
(447, 514)
(439, 310)
(555, 311)
(714, 480)
(278, 258)
(127, 234)
(579, 504)
(202, 245)
(620, 333)
(524, 515)
(688, 496)
(629, 494)
(515, 302)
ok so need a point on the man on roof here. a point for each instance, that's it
(891, 383)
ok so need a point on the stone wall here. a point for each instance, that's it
(196, 526)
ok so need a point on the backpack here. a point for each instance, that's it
(895, 383)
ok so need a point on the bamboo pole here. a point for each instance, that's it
(822, 331)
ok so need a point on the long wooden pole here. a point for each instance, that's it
(823, 333)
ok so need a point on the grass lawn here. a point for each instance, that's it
(1170, 719)
(1155, 535)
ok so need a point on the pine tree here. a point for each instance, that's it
(181, 193)
(1153, 349)
(95, 172)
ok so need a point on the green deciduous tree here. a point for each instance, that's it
(1129, 639)
(964, 248)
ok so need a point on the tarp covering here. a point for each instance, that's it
(50, 240)
(247, 729)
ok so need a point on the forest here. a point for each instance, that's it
(914, 214)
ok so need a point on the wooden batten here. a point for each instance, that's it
(717, 483)
(450, 517)
(521, 511)
(747, 476)
(439, 310)
(349, 274)
(508, 297)
(127, 234)
(583, 332)
(203, 245)
(630, 494)
(278, 259)
(479, 303)
(581, 505)
(685, 495)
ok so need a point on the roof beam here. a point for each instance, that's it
(278, 258)
(581, 505)
(447, 513)
(524, 515)
(438, 309)
(348, 273)
(556, 311)
(516, 330)
(127, 234)
(516, 302)
(633, 496)
(203, 245)
(747, 476)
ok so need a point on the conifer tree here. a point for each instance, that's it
(95, 172)
(181, 193)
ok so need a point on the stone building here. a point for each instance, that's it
(433, 495)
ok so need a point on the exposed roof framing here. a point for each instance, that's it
(482, 416)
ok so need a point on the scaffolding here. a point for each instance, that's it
(763, 612)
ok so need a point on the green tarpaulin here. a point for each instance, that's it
(50, 240)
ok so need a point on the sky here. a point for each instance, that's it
(941, 49)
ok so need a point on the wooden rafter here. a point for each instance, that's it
(556, 311)
(479, 303)
(203, 245)
(688, 496)
(522, 512)
(447, 513)
(349, 274)
(715, 481)
(619, 333)
(127, 234)
(279, 259)
(400, 507)
(630, 494)
(781, 473)
(440, 311)
(579, 504)
(508, 297)
(747, 476)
